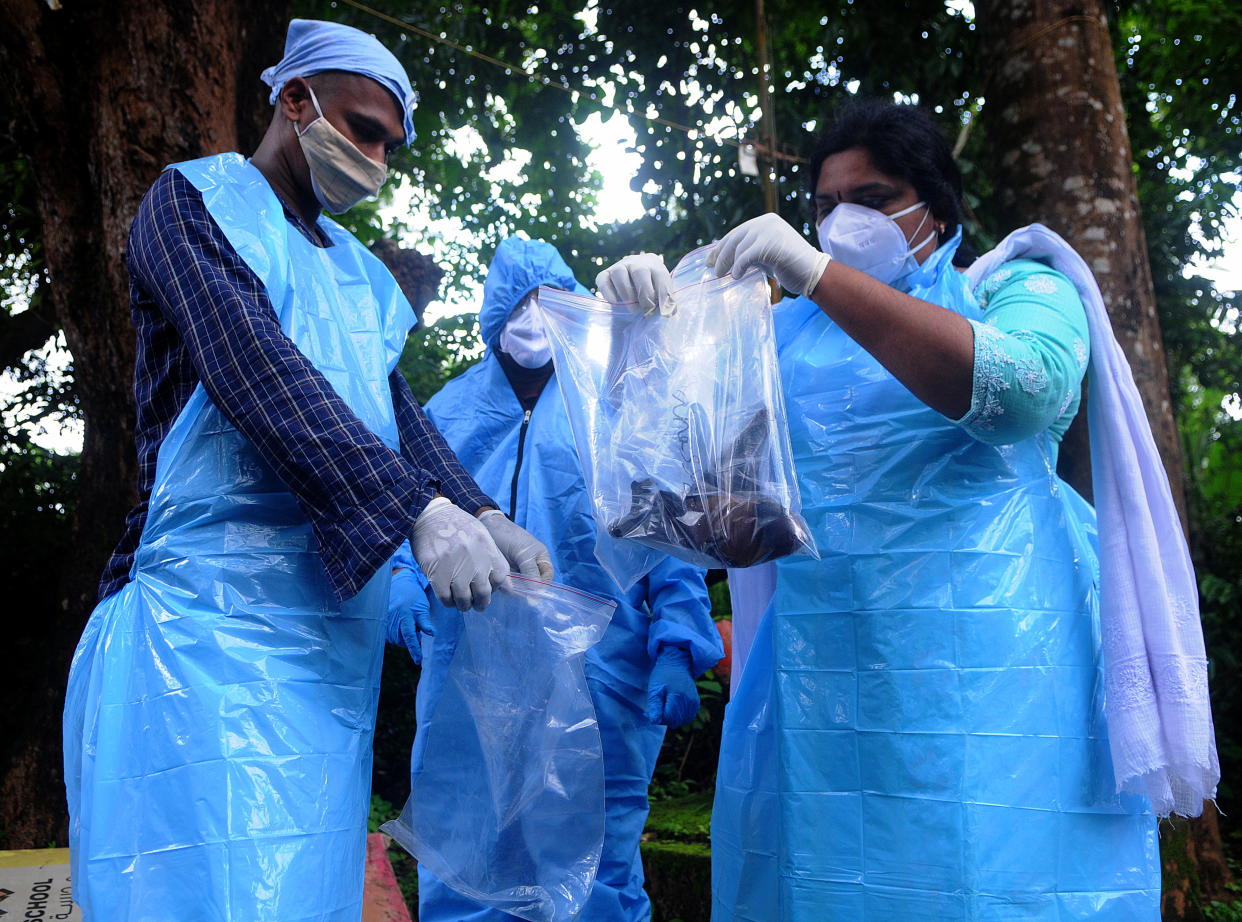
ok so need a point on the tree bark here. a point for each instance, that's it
(102, 97)
(1056, 124)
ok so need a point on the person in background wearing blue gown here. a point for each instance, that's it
(505, 419)
(918, 730)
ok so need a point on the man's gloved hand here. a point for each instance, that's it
(525, 553)
(672, 697)
(409, 615)
(457, 555)
(643, 279)
(769, 243)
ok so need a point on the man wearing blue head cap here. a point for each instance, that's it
(221, 701)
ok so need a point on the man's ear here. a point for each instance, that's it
(294, 99)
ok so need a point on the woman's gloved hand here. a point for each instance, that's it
(457, 555)
(672, 696)
(769, 243)
(642, 279)
(526, 553)
(409, 614)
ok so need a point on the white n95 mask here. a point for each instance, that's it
(341, 174)
(525, 338)
(871, 241)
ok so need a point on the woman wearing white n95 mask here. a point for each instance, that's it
(918, 730)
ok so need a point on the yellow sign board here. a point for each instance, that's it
(34, 886)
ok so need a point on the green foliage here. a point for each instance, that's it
(698, 66)
(722, 605)
(38, 493)
(436, 353)
(678, 880)
(690, 849)
(684, 819)
(1218, 911)
(44, 392)
(554, 189)
(1212, 442)
(525, 168)
(1179, 78)
(21, 247)
(381, 812)
(1229, 909)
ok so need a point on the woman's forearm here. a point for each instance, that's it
(927, 348)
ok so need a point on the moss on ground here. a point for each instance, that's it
(675, 849)
(678, 880)
(682, 819)
(677, 858)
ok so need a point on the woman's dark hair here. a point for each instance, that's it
(903, 142)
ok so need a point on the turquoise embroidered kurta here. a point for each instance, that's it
(1030, 355)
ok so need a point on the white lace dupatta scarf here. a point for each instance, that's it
(1155, 667)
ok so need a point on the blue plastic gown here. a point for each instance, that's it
(221, 705)
(918, 731)
(483, 423)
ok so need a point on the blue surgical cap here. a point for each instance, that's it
(311, 47)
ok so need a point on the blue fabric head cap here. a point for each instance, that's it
(312, 47)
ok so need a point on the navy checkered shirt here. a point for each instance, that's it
(201, 314)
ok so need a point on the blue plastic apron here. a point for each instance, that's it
(918, 731)
(221, 705)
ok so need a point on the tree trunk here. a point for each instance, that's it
(104, 95)
(1056, 124)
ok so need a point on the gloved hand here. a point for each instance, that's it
(409, 615)
(457, 555)
(672, 697)
(771, 244)
(642, 278)
(526, 553)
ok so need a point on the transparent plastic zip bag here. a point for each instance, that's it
(506, 798)
(679, 423)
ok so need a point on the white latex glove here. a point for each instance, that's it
(776, 248)
(526, 553)
(641, 279)
(457, 555)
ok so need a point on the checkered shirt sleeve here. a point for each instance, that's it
(422, 444)
(361, 497)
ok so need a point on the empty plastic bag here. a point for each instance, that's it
(680, 424)
(506, 798)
